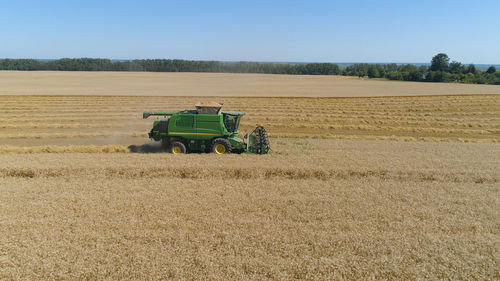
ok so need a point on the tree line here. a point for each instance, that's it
(167, 65)
(440, 70)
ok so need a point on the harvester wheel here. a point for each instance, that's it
(221, 146)
(177, 147)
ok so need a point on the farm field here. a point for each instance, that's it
(400, 187)
(32, 121)
(312, 209)
(219, 84)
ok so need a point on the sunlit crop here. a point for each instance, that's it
(312, 209)
(353, 189)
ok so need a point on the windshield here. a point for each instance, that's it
(230, 121)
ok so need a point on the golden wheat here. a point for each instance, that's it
(64, 120)
(312, 209)
(353, 188)
(217, 84)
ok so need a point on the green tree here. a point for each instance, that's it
(471, 69)
(394, 75)
(439, 76)
(440, 62)
(373, 71)
(491, 69)
(455, 67)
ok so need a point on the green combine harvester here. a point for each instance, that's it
(206, 129)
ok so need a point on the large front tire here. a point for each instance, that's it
(177, 147)
(221, 146)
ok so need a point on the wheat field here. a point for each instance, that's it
(117, 120)
(354, 188)
(313, 209)
(219, 84)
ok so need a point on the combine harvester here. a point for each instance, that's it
(206, 129)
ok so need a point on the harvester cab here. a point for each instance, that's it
(206, 129)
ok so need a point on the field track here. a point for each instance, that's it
(219, 84)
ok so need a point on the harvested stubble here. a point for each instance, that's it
(33, 120)
(64, 149)
(313, 209)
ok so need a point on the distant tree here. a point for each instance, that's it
(440, 62)
(391, 67)
(373, 71)
(455, 67)
(359, 69)
(414, 75)
(411, 72)
(444, 71)
(471, 69)
(491, 70)
(394, 75)
(437, 76)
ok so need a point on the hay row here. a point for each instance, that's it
(301, 173)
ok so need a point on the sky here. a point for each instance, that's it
(277, 31)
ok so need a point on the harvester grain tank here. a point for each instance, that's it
(206, 129)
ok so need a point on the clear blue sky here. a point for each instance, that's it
(307, 31)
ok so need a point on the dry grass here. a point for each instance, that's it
(313, 209)
(218, 84)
